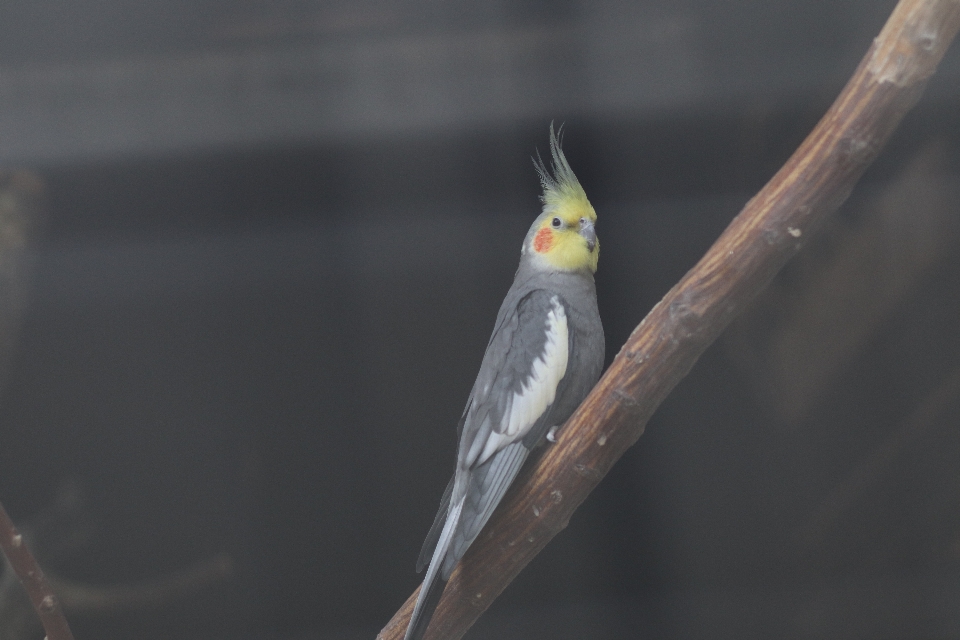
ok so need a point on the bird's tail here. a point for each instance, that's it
(434, 581)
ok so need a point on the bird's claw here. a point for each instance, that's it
(552, 434)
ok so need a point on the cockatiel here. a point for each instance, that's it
(544, 356)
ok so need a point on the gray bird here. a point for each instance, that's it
(544, 356)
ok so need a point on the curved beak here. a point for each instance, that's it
(589, 234)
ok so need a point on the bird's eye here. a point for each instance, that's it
(556, 223)
(582, 221)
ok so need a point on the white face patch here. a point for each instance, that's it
(539, 390)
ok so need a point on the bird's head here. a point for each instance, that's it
(562, 238)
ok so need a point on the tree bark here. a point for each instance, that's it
(42, 597)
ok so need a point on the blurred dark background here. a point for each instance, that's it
(253, 252)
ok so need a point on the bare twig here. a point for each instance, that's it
(772, 227)
(21, 198)
(63, 530)
(31, 576)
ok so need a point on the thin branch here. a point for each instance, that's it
(21, 211)
(44, 601)
(772, 227)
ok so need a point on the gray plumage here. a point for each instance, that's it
(528, 382)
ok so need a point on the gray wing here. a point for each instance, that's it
(524, 364)
(485, 488)
(515, 390)
(518, 379)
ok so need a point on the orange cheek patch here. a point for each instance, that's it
(543, 240)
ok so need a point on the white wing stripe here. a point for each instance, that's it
(539, 390)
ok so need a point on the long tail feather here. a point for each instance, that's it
(426, 552)
(433, 582)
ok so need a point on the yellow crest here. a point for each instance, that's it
(563, 236)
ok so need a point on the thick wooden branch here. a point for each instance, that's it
(42, 597)
(772, 227)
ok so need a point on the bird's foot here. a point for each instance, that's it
(552, 434)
